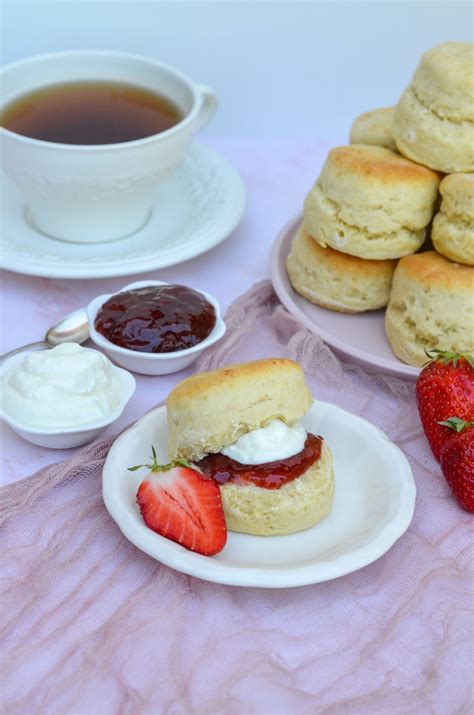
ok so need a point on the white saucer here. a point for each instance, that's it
(359, 338)
(196, 208)
(373, 506)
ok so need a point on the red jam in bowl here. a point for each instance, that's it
(156, 319)
(271, 475)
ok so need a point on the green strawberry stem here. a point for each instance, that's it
(155, 467)
(447, 356)
(456, 424)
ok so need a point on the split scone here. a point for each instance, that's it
(240, 426)
(371, 202)
(336, 280)
(431, 306)
(434, 118)
(374, 127)
(453, 227)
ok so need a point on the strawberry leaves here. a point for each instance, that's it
(153, 466)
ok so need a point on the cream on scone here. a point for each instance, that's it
(241, 426)
(336, 280)
(371, 202)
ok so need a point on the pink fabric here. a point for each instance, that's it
(92, 625)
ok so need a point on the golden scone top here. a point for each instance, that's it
(233, 376)
(433, 270)
(380, 163)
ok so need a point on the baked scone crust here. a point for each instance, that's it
(374, 128)
(434, 118)
(297, 505)
(211, 410)
(371, 202)
(453, 226)
(431, 306)
(336, 280)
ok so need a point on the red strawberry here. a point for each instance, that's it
(445, 387)
(457, 462)
(181, 504)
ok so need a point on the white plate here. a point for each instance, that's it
(373, 505)
(358, 338)
(196, 208)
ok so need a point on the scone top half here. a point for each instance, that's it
(211, 410)
(433, 121)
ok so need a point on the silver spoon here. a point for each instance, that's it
(74, 328)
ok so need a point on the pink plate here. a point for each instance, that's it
(357, 338)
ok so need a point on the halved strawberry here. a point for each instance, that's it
(183, 505)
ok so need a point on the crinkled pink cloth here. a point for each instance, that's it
(91, 625)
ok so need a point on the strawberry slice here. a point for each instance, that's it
(183, 505)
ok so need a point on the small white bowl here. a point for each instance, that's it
(152, 363)
(57, 438)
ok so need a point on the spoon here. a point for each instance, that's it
(74, 328)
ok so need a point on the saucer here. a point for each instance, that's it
(373, 506)
(196, 208)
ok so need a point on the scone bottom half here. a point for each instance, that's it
(241, 406)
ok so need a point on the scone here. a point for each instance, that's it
(241, 427)
(434, 119)
(431, 306)
(453, 227)
(337, 280)
(370, 202)
(375, 128)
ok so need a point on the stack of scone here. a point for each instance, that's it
(376, 201)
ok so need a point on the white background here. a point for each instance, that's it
(280, 68)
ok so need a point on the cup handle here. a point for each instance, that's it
(208, 106)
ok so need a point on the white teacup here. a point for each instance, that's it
(97, 193)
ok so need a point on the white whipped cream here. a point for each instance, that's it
(63, 387)
(273, 442)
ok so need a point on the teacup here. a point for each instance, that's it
(97, 193)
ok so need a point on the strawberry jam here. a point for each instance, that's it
(156, 319)
(271, 475)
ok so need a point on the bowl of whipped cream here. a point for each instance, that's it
(63, 397)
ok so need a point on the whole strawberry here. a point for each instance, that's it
(457, 462)
(183, 505)
(445, 387)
